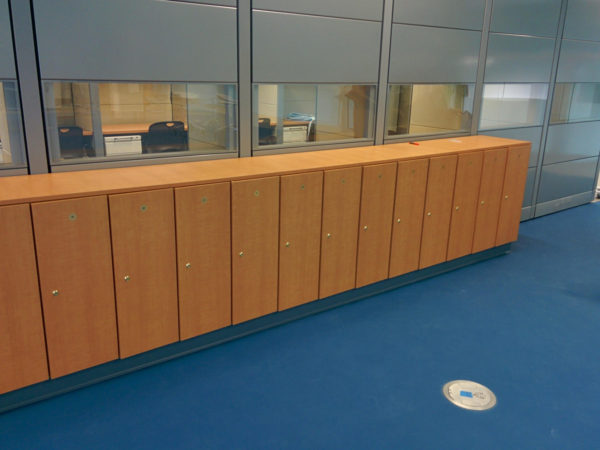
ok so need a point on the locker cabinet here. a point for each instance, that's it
(300, 238)
(339, 232)
(143, 238)
(76, 279)
(488, 206)
(375, 224)
(411, 185)
(438, 210)
(464, 206)
(254, 238)
(203, 258)
(22, 347)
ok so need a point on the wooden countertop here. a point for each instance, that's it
(34, 188)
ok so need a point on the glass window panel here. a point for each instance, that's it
(510, 105)
(575, 102)
(426, 109)
(305, 114)
(96, 121)
(12, 153)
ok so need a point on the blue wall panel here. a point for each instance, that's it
(136, 40)
(567, 178)
(433, 55)
(527, 197)
(351, 9)
(518, 59)
(7, 62)
(530, 17)
(579, 61)
(583, 20)
(572, 141)
(297, 48)
(531, 134)
(467, 14)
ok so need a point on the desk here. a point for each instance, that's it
(124, 128)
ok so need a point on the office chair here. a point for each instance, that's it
(165, 137)
(265, 132)
(72, 144)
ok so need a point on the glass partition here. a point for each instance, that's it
(575, 102)
(96, 121)
(428, 109)
(307, 114)
(12, 154)
(511, 105)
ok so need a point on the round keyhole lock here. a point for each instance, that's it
(72, 216)
(188, 265)
(127, 278)
(144, 208)
(55, 292)
(204, 199)
(256, 193)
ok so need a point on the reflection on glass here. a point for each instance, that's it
(418, 109)
(575, 102)
(513, 105)
(297, 114)
(11, 138)
(138, 120)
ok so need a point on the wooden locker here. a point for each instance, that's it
(511, 203)
(254, 238)
(488, 206)
(464, 207)
(76, 279)
(407, 223)
(339, 231)
(143, 237)
(300, 238)
(22, 347)
(375, 224)
(203, 258)
(438, 210)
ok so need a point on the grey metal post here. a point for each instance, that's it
(552, 82)
(245, 76)
(478, 97)
(98, 136)
(29, 85)
(384, 64)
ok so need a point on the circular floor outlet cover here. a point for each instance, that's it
(469, 395)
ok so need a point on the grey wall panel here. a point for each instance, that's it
(570, 141)
(567, 178)
(136, 40)
(442, 13)
(531, 134)
(352, 9)
(531, 17)
(579, 61)
(212, 2)
(518, 59)
(527, 196)
(433, 55)
(7, 57)
(583, 20)
(295, 48)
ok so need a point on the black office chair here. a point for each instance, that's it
(72, 142)
(266, 132)
(165, 137)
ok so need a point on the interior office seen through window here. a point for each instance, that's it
(513, 105)
(575, 102)
(307, 114)
(96, 121)
(429, 109)
(12, 154)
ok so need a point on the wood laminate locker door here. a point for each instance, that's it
(438, 210)
(488, 207)
(22, 347)
(512, 195)
(339, 232)
(464, 207)
(76, 279)
(143, 237)
(411, 185)
(375, 224)
(203, 223)
(300, 238)
(254, 245)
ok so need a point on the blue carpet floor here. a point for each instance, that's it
(369, 375)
